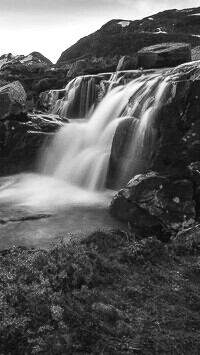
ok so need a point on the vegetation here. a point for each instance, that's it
(106, 294)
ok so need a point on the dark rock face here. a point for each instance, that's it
(127, 63)
(20, 142)
(126, 38)
(152, 200)
(164, 55)
(13, 102)
(92, 66)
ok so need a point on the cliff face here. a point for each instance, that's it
(123, 37)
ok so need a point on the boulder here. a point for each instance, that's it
(20, 142)
(154, 200)
(187, 241)
(164, 55)
(13, 102)
(127, 63)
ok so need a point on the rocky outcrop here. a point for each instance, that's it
(20, 142)
(150, 201)
(34, 58)
(13, 102)
(126, 38)
(92, 66)
(164, 55)
(35, 72)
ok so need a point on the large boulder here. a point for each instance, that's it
(164, 55)
(154, 200)
(13, 101)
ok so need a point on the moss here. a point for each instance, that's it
(108, 294)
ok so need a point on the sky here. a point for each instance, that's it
(51, 26)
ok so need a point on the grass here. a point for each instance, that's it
(108, 294)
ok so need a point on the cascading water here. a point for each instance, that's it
(80, 152)
(81, 95)
(75, 168)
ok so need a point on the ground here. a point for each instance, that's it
(106, 294)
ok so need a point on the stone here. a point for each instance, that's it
(166, 201)
(13, 102)
(164, 55)
(20, 142)
(187, 241)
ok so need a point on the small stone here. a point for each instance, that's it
(176, 199)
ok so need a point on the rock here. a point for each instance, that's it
(92, 66)
(166, 201)
(195, 53)
(187, 241)
(108, 311)
(164, 55)
(34, 58)
(13, 102)
(125, 160)
(20, 142)
(194, 173)
(35, 74)
(48, 99)
(127, 63)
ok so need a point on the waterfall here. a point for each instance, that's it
(81, 95)
(80, 151)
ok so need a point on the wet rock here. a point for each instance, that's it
(13, 102)
(20, 142)
(164, 55)
(127, 63)
(48, 99)
(125, 159)
(169, 202)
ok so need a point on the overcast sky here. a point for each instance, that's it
(51, 26)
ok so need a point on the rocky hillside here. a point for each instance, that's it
(121, 37)
(35, 72)
(34, 58)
